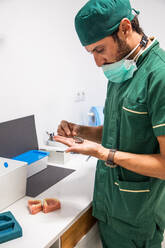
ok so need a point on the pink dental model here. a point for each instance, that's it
(51, 204)
(34, 206)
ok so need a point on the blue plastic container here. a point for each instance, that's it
(37, 161)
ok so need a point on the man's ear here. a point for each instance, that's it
(125, 29)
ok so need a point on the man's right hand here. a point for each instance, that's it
(68, 129)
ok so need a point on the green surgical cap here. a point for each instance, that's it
(100, 18)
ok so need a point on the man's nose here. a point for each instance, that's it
(99, 60)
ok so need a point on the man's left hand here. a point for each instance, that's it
(87, 147)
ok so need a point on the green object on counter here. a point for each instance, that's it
(9, 227)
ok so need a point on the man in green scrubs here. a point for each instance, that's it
(129, 194)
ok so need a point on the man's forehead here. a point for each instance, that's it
(99, 44)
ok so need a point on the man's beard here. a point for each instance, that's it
(123, 49)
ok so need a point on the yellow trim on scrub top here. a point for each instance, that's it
(135, 112)
(133, 191)
(160, 125)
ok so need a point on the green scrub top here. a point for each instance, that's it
(134, 116)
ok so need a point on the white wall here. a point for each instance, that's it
(152, 17)
(43, 65)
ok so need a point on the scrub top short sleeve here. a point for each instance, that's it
(156, 101)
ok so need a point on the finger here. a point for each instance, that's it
(74, 132)
(65, 141)
(66, 128)
(74, 128)
(60, 132)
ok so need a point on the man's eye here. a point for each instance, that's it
(100, 51)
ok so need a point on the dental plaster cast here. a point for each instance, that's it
(49, 205)
(34, 206)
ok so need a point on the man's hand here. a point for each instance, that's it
(87, 147)
(68, 129)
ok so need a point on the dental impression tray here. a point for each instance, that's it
(9, 227)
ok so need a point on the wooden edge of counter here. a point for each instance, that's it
(73, 235)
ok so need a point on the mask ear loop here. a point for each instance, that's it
(138, 55)
(132, 51)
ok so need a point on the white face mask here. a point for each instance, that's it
(122, 70)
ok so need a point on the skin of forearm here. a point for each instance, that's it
(91, 133)
(152, 165)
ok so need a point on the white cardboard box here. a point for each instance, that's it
(13, 176)
(37, 166)
(37, 161)
(57, 154)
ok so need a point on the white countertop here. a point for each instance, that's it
(75, 193)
